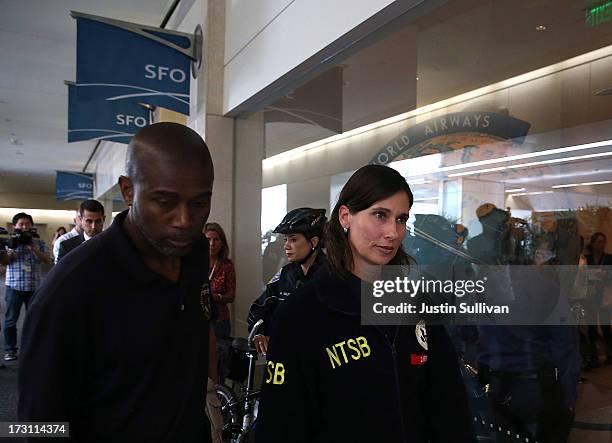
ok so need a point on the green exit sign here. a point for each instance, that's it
(597, 15)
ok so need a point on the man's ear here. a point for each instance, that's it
(127, 189)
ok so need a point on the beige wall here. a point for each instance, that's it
(247, 217)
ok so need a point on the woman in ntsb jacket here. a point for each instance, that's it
(330, 379)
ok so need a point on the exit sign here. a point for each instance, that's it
(597, 15)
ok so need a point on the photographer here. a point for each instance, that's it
(23, 257)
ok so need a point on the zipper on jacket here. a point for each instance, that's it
(397, 391)
(397, 383)
(394, 356)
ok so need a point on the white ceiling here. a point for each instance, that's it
(460, 47)
(37, 53)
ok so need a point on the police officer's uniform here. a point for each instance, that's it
(330, 379)
(530, 372)
(289, 278)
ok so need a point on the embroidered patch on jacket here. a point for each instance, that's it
(418, 359)
(421, 334)
(276, 277)
(348, 351)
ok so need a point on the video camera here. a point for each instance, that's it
(18, 238)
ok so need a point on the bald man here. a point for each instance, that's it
(116, 340)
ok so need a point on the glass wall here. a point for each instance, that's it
(499, 116)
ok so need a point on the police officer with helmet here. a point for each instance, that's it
(302, 229)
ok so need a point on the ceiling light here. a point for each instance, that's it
(425, 199)
(571, 185)
(541, 28)
(532, 193)
(525, 165)
(436, 169)
(515, 190)
(328, 142)
(510, 158)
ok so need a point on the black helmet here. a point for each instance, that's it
(306, 221)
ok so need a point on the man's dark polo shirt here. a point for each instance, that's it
(115, 349)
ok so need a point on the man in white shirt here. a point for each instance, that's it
(91, 219)
(72, 233)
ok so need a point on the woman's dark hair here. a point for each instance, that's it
(57, 233)
(21, 215)
(366, 186)
(216, 227)
(594, 238)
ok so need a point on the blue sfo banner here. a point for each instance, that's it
(118, 61)
(73, 185)
(115, 121)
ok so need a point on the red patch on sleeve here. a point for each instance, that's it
(418, 359)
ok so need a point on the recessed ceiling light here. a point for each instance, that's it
(541, 28)
(525, 165)
(571, 185)
(417, 78)
(419, 181)
(515, 190)
(532, 193)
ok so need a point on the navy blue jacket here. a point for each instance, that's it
(330, 379)
(116, 349)
(289, 278)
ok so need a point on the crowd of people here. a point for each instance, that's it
(120, 338)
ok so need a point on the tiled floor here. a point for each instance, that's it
(594, 408)
(8, 377)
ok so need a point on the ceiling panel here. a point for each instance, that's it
(38, 50)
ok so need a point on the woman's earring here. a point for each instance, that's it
(345, 229)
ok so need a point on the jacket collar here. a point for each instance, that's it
(341, 294)
(129, 258)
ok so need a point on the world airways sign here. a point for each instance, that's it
(121, 61)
